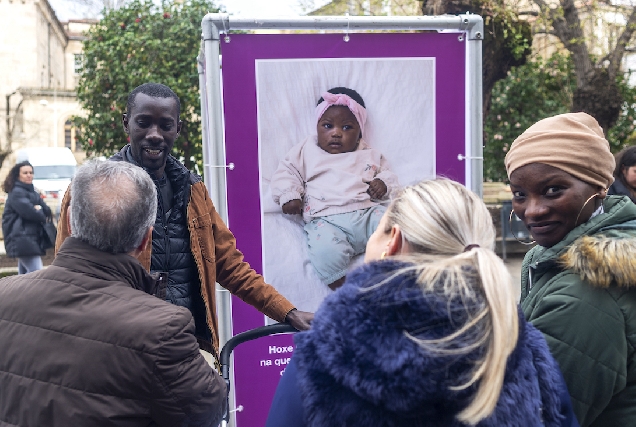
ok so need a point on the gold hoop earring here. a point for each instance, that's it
(513, 234)
(583, 207)
(383, 255)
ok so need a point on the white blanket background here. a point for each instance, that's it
(399, 94)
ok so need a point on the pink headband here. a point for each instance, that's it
(330, 99)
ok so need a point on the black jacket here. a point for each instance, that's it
(171, 251)
(22, 222)
(619, 189)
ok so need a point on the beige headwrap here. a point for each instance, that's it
(572, 142)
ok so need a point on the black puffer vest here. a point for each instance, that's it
(171, 251)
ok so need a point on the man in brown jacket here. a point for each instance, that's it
(87, 342)
(190, 243)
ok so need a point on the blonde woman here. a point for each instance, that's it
(426, 333)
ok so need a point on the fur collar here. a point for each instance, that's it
(605, 258)
(357, 367)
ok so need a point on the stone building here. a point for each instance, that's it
(40, 61)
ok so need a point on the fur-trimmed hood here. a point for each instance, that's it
(358, 367)
(605, 258)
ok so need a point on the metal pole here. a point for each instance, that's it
(225, 22)
(205, 139)
(209, 178)
(474, 107)
(214, 162)
(215, 168)
(215, 177)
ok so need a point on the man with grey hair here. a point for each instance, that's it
(90, 341)
(190, 243)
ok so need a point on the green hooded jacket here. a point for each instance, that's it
(581, 293)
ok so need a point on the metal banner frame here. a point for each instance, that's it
(468, 27)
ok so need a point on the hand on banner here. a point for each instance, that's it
(300, 320)
(377, 189)
(293, 207)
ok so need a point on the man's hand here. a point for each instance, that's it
(293, 207)
(377, 189)
(300, 320)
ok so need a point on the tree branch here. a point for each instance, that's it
(567, 26)
(616, 56)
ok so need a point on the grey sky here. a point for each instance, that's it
(69, 9)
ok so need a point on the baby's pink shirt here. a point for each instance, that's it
(330, 184)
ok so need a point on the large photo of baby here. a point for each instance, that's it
(337, 138)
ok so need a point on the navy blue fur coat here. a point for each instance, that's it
(356, 366)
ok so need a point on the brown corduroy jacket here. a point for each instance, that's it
(218, 260)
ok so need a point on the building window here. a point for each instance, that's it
(78, 63)
(76, 143)
(18, 124)
(68, 134)
(71, 137)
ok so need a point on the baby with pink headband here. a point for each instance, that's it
(337, 182)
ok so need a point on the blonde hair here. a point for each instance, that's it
(439, 219)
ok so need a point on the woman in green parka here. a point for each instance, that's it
(578, 285)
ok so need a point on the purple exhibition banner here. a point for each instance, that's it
(259, 364)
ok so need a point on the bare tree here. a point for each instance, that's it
(362, 7)
(596, 91)
(507, 41)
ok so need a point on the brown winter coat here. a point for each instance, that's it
(83, 345)
(217, 258)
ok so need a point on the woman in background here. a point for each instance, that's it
(24, 214)
(426, 333)
(625, 174)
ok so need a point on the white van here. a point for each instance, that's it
(53, 169)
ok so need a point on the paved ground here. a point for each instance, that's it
(513, 262)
